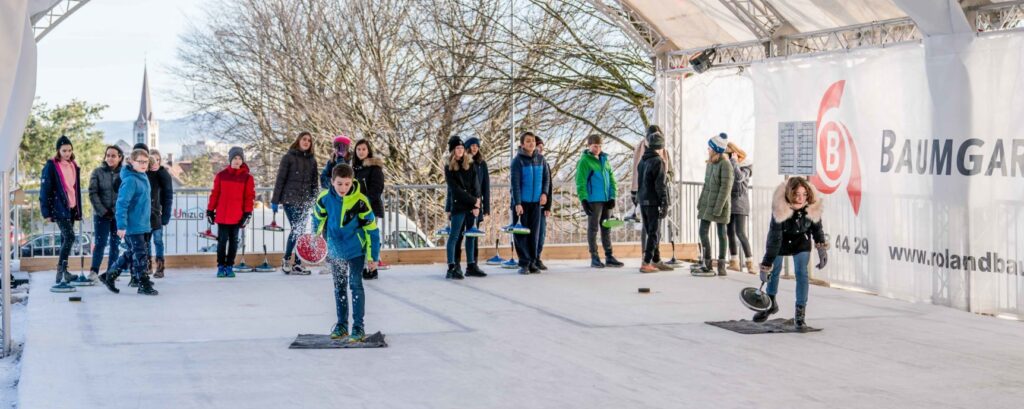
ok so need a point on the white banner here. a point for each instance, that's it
(920, 162)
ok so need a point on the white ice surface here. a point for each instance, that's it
(569, 338)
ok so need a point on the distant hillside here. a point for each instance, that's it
(173, 133)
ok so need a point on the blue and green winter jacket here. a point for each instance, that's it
(595, 181)
(350, 223)
(133, 209)
(530, 177)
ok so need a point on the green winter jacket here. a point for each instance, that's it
(716, 197)
(595, 181)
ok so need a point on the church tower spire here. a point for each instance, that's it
(147, 129)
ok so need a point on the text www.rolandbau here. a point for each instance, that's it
(990, 262)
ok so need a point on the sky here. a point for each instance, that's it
(98, 53)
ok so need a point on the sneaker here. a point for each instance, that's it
(595, 262)
(524, 270)
(221, 273)
(474, 232)
(358, 335)
(540, 264)
(648, 268)
(611, 261)
(94, 276)
(299, 270)
(662, 266)
(286, 266)
(454, 273)
(229, 271)
(108, 280)
(472, 270)
(339, 332)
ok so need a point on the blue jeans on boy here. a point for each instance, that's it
(348, 274)
(458, 229)
(137, 255)
(158, 243)
(802, 280)
(295, 219)
(104, 231)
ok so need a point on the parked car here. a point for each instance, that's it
(48, 244)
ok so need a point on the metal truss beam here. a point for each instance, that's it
(998, 16)
(632, 23)
(46, 21)
(759, 16)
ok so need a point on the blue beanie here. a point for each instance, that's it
(471, 141)
(718, 144)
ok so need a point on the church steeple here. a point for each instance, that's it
(147, 129)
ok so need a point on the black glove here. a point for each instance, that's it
(109, 214)
(245, 218)
(822, 257)
(586, 207)
(210, 215)
(610, 204)
(632, 196)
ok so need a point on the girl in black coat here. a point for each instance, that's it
(796, 220)
(296, 187)
(464, 196)
(369, 172)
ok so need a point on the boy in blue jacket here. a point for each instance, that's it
(132, 213)
(352, 242)
(530, 178)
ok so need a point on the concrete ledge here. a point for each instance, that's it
(688, 251)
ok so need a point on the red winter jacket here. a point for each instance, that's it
(233, 193)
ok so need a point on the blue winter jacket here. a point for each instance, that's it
(350, 223)
(133, 209)
(325, 175)
(53, 200)
(529, 178)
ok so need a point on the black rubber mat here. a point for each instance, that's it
(775, 326)
(320, 341)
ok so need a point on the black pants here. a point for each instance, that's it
(471, 222)
(528, 245)
(227, 244)
(705, 239)
(738, 230)
(599, 212)
(67, 238)
(651, 221)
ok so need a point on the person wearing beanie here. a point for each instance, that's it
(296, 188)
(142, 146)
(545, 209)
(230, 207)
(463, 204)
(162, 194)
(638, 153)
(596, 188)
(483, 175)
(104, 183)
(742, 166)
(529, 178)
(369, 172)
(653, 200)
(340, 155)
(60, 201)
(715, 202)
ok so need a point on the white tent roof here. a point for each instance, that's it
(690, 24)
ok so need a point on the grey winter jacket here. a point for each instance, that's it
(103, 185)
(741, 188)
(296, 182)
(715, 203)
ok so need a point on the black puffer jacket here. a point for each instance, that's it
(652, 186)
(791, 230)
(161, 196)
(296, 182)
(370, 174)
(463, 186)
(103, 185)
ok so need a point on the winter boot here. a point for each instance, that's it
(762, 316)
(286, 266)
(358, 334)
(798, 320)
(661, 266)
(454, 273)
(750, 267)
(134, 283)
(108, 280)
(611, 261)
(540, 265)
(146, 286)
(706, 265)
(339, 332)
(721, 267)
(734, 263)
(159, 268)
(595, 261)
(473, 270)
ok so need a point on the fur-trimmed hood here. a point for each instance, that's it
(782, 212)
(369, 162)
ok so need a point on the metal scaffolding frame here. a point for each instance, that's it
(632, 23)
(998, 17)
(760, 17)
(46, 21)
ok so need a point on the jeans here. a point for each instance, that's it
(158, 242)
(473, 222)
(135, 255)
(528, 245)
(599, 212)
(738, 230)
(705, 239)
(295, 216)
(104, 231)
(348, 275)
(651, 222)
(460, 222)
(67, 238)
(227, 244)
(800, 261)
